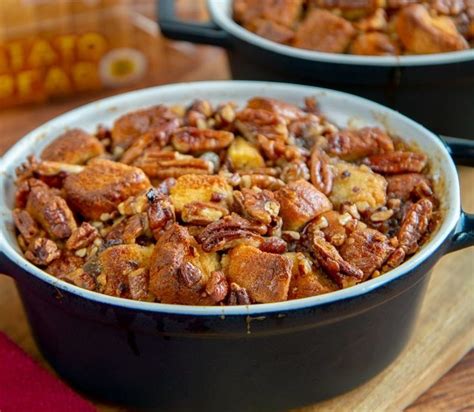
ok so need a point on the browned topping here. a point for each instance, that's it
(226, 205)
(363, 27)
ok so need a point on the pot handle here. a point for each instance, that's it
(205, 33)
(462, 152)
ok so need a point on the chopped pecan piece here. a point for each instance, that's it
(42, 251)
(273, 244)
(160, 212)
(74, 146)
(25, 224)
(202, 213)
(414, 225)
(50, 210)
(261, 181)
(217, 287)
(355, 144)
(238, 295)
(265, 276)
(197, 113)
(307, 280)
(397, 162)
(295, 171)
(82, 236)
(102, 186)
(138, 284)
(321, 174)
(194, 140)
(323, 31)
(128, 230)
(449, 7)
(366, 249)
(300, 202)
(259, 205)
(342, 272)
(68, 262)
(254, 122)
(402, 185)
(229, 232)
(80, 278)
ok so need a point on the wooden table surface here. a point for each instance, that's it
(453, 392)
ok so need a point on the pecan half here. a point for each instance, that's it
(217, 287)
(397, 162)
(261, 181)
(160, 212)
(415, 225)
(355, 144)
(295, 171)
(82, 236)
(68, 262)
(230, 231)
(286, 110)
(189, 274)
(202, 213)
(259, 205)
(321, 174)
(238, 295)
(159, 164)
(193, 140)
(273, 244)
(25, 224)
(42, 251)
(128, 230)
(254, 122)
(401, 186)
(50, 210)
(342, 272)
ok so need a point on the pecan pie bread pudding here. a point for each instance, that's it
(362, 27)
(206, 205)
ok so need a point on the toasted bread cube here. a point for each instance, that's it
(116, 263)
(50, 211)
(244, 155)
(357, 185)
(300, 202)
(374, 44)
(284, 12)
(422, 33)
(307, 280)
(102, 186)
(366, 249)
(266, 276)
(324, 31)
(200, 188)
(74, 146)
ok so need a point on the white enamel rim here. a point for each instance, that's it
(225, 90)
(221, 12)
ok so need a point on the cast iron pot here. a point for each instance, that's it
(266, 357)
(436, 90)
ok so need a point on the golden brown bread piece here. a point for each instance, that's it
(324, 31)
(284, 12)
(358, 185)
(102, 186)
(130, 126)
(50, 210)
(374, 44)
(266, 276)
(244, 155)
(270, 30)
(179, 271)
(300, 202)
(116, 263)
(74, 146)
(200, 188)
(421, 33)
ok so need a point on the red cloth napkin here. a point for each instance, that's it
(25, 386)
